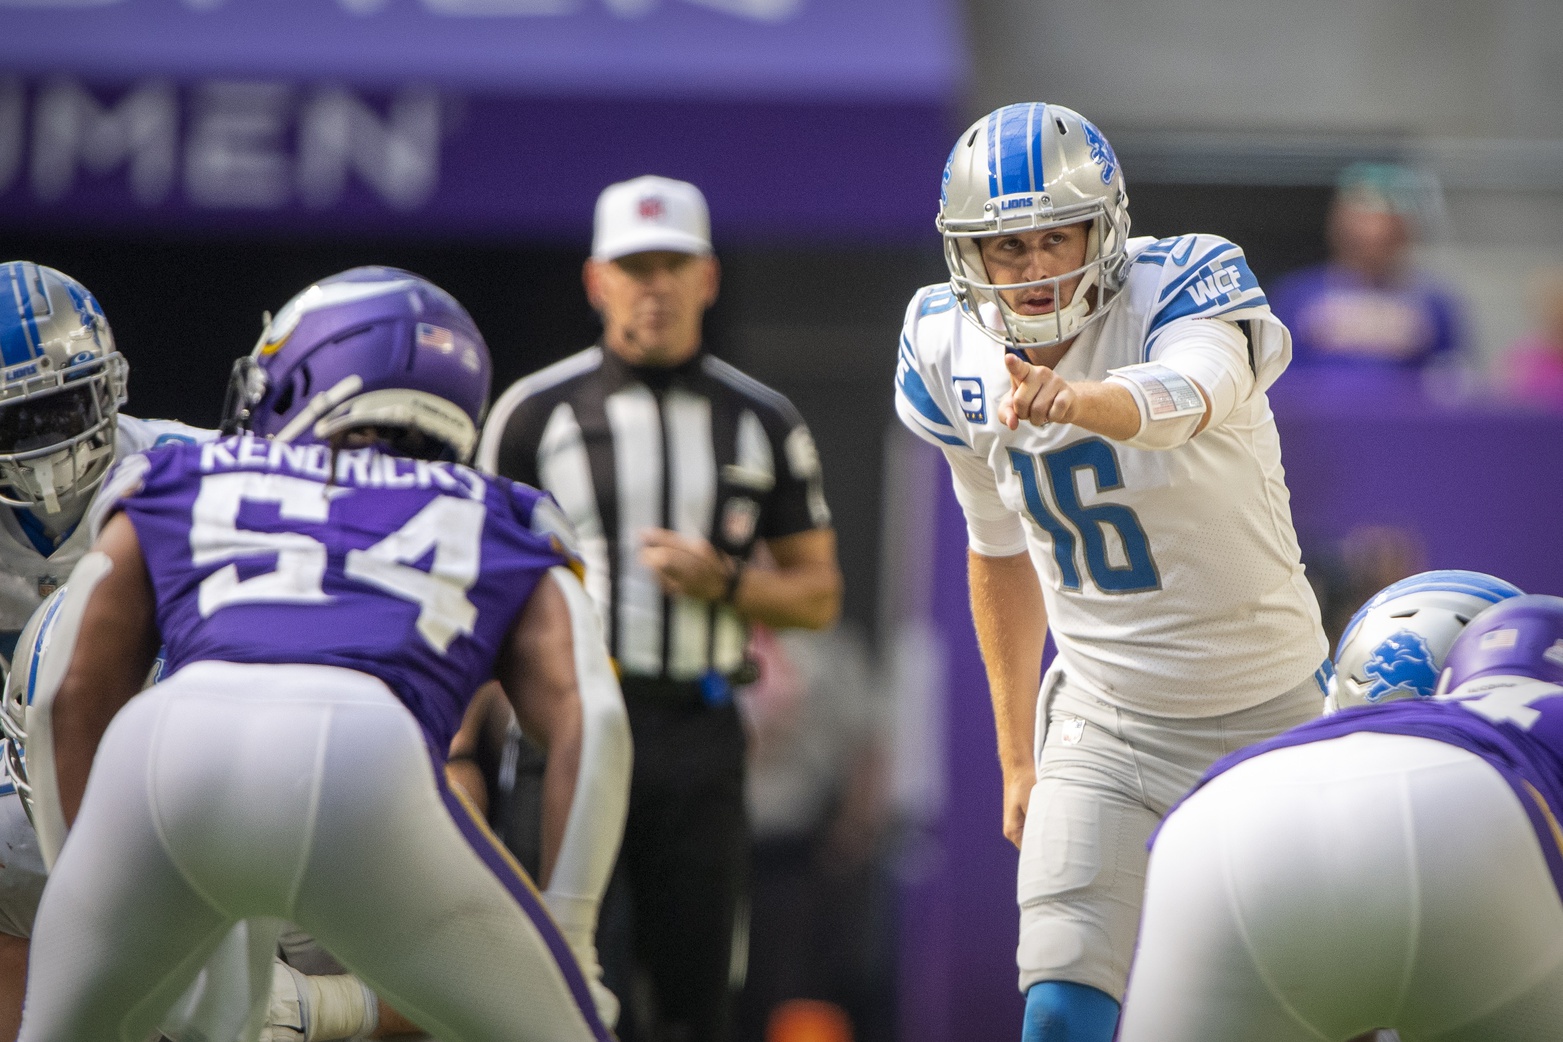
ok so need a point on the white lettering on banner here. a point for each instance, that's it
(70, 128)
(397, 157)
(246, 145)
(234, 156)
(758, 10)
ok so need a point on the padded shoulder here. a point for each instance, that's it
(128, 478)
(923, 356)
(1194, 276)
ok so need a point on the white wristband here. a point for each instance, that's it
(1170, 404)
(340, 1006)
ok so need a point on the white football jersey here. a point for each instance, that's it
(28, 576)
(1172, 578)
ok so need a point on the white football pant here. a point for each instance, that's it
(304, 793)
(1371, 881)
(1105, 777)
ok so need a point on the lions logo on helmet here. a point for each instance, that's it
(61, 386)
(1402, 664)
(1032, 167)
(1394, 646)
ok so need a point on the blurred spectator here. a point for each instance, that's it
(1366, 308)
(1533, 368)
(820, 923)
(1345, 572)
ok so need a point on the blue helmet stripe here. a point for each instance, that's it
(1039, 116)
(1451, 580)
(31, 323)
(1485, 587)
(991, 132)
(15, 314)
(38, 640)
(1014, 154)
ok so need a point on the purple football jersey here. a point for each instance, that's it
(410, 571)
(1515, 724)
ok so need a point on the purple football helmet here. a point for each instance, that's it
(1519, 637)
(371, 347)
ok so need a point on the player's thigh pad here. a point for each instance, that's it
(1105, 776)
(1324, 890)
(21, 868)
(1082, 857)
(1172, 754)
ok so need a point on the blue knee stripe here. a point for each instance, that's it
(1062, 1011)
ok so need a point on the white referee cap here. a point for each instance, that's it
(650, 213)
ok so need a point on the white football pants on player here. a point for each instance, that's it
(1105, 777)
(306, 793)
(226, 990)
(1370, 881)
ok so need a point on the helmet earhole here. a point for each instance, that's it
(973, 137)
(1060, 125)
(298, 387)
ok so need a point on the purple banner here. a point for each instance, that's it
(314, 158)
(794, 49)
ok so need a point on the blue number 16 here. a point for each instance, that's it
(1097, 456)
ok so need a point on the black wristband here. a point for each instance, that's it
(731, 590)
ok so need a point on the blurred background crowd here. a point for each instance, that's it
(1393, 168)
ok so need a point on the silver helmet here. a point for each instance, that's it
(1394, 646)
(1030, 167)
(18, 697)
(61, 386)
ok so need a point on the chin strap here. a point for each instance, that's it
(1064, 322)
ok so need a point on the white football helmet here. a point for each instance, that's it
(61, 386)
(1031, 167)
(19, 683)
(1394, 646)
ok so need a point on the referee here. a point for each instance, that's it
(674, 467)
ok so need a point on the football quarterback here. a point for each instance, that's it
(1100, 400)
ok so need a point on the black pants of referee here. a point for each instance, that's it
(665, 935)
(666, 932)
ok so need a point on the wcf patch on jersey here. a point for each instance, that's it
(974, 404)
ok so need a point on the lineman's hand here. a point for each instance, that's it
(1037, 395)
(690, 567)
(1017, 797)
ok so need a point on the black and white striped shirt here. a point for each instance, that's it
(700, 449)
